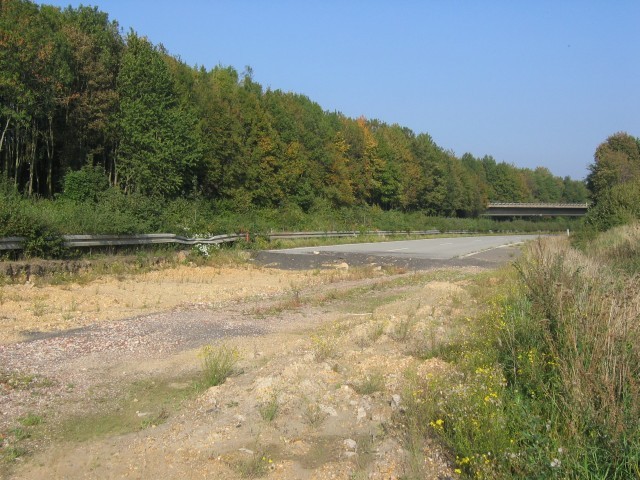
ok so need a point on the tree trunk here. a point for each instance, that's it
(50, 147)
(17, 159)
(4, 131)
(32, 159)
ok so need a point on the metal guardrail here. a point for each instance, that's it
(379, 233)
(75, 241)
(11, 243)
(85, 241)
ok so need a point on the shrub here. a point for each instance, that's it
(17, 219)
(85, 184)
(618, 205)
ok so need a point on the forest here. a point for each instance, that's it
(86, 110)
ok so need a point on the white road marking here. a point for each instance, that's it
(397, 249)
(492, 248)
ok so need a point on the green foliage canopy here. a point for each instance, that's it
(75, 94)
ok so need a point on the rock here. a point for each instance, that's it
(328, 410)
(263, 383)
(362, 413)
(395, 401)
(350, 444)
(246, 450)
(182, 255)
(239, 420)
(342, 266)
(365, 402)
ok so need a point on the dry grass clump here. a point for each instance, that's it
(218, 363)
(619, 247)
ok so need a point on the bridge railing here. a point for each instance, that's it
(538, 205)
(513, 209)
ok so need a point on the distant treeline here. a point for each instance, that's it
(84, 109)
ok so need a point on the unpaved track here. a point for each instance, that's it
(81, 356)
(88, 370)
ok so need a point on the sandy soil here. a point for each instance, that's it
(26, 309)
(317, 391)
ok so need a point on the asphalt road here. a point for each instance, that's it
(414, 254)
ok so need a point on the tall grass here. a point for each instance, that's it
(546, 384)
(587, 315)
(619, 247)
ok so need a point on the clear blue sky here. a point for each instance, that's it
(538, 82)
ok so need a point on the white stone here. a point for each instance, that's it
(351, 444)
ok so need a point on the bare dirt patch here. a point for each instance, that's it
(32, 307)
(317, 392)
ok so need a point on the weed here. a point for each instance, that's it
(414, 468)
(17, 380)
(376, 332)
(218, 363)
(323, 347)
(292, 302)
(156, 420)
(30, 420)
(269, 409)
(363, 341)
(14, 452)
(394, 270)
(402, 329)
(371, 384)
(38, 308)
(20, 433)
(313, 415)
(257, 465)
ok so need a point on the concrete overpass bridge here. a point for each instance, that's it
(536, 210)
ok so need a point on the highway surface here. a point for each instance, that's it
(414, 254)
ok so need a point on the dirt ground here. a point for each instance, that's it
(32, 307)
(100, 379)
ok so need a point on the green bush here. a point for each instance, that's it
(85, 184)
(17, 220)
(618, 205)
